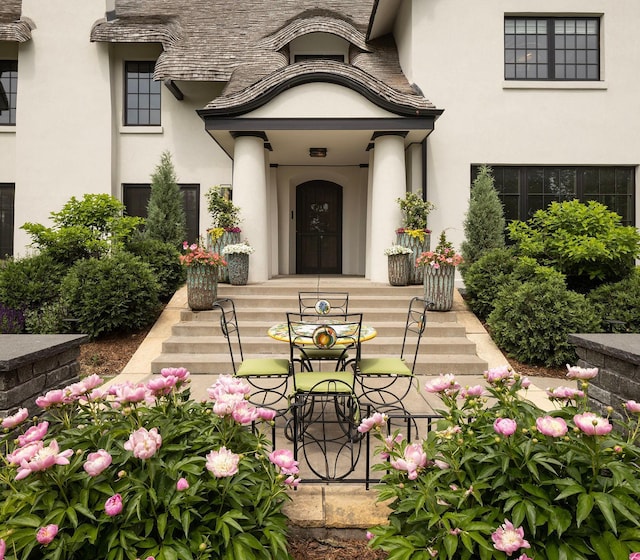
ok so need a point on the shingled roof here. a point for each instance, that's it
(245, 44)
(12, 26)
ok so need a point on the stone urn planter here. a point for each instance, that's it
(399, 269)
(202, 286)
(217, 241)
(439, 284)
(417, 241)
(238, 268)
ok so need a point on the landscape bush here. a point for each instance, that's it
(30, 282)
(11, 320)
(586, 242)
(531, 322)
(164, 260)
(618, 304)
(52, 317)
(117, 293)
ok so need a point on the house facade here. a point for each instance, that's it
(318, 115)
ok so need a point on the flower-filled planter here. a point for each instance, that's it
(217, 240)
(143, 471)
(202, 276)
(439, 268)
(237, 256)
(414, 233)
(417, 241)
(399, 261)
(498, 477)
(225, 217)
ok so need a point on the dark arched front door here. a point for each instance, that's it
(319, 228)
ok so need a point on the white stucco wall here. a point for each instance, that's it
(458, 63)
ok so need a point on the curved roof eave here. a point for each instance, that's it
(374, 90)
(16, 31)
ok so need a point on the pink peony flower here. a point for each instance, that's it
(97, 462)
(244, 414)
(283, 459)
(266, 414)
(144, 443)
(550, 426)
(634, 556)
(564, 393)
(3, 549)
(181, 373)
(51, 398)
(505, 426)
(376, 421)
(495, 375)
(228, 385)
(226, 403)
(159, 385)
(25, 453)
(508, 539)
(444, 382)
(575, 372)
(34, 433)
(414, 458)
(523, 557)
(45, 458)
(46, 534)
(292, 481)
(525, 383)
(222, 463)
(471, 392)
(113, 505)
(592, 425)
(16, 419)
(369, 535)
(182, 485)
(633, 407)
(128, 392)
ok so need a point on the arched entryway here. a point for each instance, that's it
(319, 228)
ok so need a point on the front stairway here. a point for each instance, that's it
(196, 341)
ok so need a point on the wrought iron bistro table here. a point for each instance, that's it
(280, 331)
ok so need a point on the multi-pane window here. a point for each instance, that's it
(7, 198)
(8, 91)
(526, 189)
(135, 198)
(142, 95)
(561, 48)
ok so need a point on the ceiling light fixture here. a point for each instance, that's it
(317, 152)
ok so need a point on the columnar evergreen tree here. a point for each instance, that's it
(166, 219)
(484, 223)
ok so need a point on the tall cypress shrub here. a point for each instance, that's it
(484, 223)
(166, 219)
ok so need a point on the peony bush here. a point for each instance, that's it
(141, 471)
(501, 478)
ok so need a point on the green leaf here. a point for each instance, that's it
(599, 544)
(603, 502)
(569, 491)
(585, 505)
(450, 544)
(161, 523)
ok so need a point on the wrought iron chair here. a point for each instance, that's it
(325, 408)
(324, 304)
(385, 381)
(268, 376)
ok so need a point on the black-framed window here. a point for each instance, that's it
(135, 197)
(524, 190)
(551, 48)
(301, 57)
(8, 91)
(7, 215)
(142, 95)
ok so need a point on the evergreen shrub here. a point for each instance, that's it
(618, 304)
(118, 293)
(531, 323)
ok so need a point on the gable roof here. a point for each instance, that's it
(12, 27)
(245, 44)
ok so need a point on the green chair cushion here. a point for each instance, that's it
(263, 367)
(321, 382)
(328, 354)
(383, 366)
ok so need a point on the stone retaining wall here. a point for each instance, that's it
(617, 356)
(31, 365)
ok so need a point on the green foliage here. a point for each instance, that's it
(166, 219)
(50, 318)
(11, 320)
(583, 241)
(224, 213)
(618, 304)
(208, 517)
(573, 495)
(484, 224)
(30, 282)
(83, 229)
(531, 321)
(164, 260)
(114, 293)
(414, 211)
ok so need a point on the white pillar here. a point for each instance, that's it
(250, 195)
(388, 184)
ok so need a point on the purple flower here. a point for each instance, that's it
(113, 505)
(46, 534)
(505, 426)
(508, 539)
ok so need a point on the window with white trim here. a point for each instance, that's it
(142, 95)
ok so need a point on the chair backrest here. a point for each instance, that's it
(230, 330)
(309, 330)
(324, 303)
(414, 329)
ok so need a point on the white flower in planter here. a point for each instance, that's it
(238, 249)
(397, 250)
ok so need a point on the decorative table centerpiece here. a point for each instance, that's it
(439, 273)
(414, 233)
(237, 256)
(202, 275)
